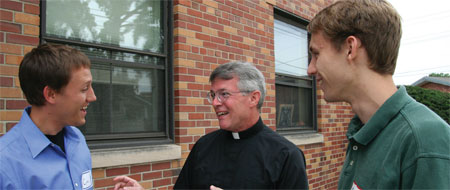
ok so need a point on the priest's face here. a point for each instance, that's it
(232, 107)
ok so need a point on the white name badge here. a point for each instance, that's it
(86, 179)
(355, 186)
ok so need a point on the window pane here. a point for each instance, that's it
(134, 24)
(128, 100)
(294, 88)
(294, 107)
(98, 118)
(291, 49)
(138, 100)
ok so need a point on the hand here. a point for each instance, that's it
(212, 187)
(126, 183)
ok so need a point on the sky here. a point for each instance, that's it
(425, 44)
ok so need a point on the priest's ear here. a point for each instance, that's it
(254, 98)
(49, 94)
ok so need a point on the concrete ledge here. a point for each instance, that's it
(134, 155)
(304, 139)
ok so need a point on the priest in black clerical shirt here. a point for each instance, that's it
(244, 153)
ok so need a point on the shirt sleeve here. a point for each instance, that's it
(293, 174)
(185, 177)
(432, 172)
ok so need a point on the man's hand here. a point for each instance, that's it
(212, 187)
(126, 183)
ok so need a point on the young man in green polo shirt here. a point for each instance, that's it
(394, 141)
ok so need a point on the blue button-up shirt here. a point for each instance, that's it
(28, 160)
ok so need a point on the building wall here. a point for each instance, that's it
(206, 33)
(435, 86)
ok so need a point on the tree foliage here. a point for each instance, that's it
(439, 75)
(436, 100)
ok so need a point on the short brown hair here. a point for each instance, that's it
(375, 22)
(48, 65)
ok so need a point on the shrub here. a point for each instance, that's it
(436, 100)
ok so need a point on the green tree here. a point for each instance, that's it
(436, 100)
(439, 75)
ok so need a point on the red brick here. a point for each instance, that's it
(11, 5)
(152, 175)
(6, 15)
(201, 36)
(210, 17)
(9, 126)
(161, 182)
(182, 2)
(183, 47)
(181, 132)
(184, 139)
(203, 123)
(194, 27)
(32, 9)
(184, 78)
(192, 86)
(196, 116)
(10, 27)
(161, 166)
(104, 182)
(2, 104)
(137, 177)
(117, 171)
(140, 168)
(183, 108)
(32, 1)
(194, 13)
(202, 22)
(21, 39)
(6, 81)
(209, 130)
(16, 104)
(2, 39)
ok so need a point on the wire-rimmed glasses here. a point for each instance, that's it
(221, 95)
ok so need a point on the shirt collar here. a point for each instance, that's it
(363, 134)
(249, 132)
(34, 137)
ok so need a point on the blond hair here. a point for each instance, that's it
(375, 22)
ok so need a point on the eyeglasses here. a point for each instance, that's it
(221, 95)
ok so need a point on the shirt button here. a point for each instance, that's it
(355, 147)
(76, 184)
(351, 163)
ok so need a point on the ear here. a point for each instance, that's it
(49, 94)
(352, 43)
(254, 98)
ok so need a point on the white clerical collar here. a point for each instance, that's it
(235, 135)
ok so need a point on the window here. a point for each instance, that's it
(127, 42)
(295, 90)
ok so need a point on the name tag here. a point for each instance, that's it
(355, 186)
(86, 179)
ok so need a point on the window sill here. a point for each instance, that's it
(305, 138)
(135, 155)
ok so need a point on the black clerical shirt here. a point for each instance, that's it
(257, 158)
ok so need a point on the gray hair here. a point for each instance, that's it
(250, 78)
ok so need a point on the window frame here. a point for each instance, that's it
(287, 17)
(136, 139)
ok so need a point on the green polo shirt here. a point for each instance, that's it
(404, 145)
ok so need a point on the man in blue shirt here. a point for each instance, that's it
(44, 150)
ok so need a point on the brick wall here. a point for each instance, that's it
(434, 86)
(206, 33)
(19, 33)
